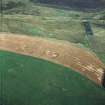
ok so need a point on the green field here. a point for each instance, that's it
(32, 81)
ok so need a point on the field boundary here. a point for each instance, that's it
(61, 52)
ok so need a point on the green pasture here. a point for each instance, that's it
(26, 80)
(31, 81)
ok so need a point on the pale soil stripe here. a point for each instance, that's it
(62, 52)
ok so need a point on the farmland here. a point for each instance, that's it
(52, 54)
(61, 52)
(38, 81)
(60, 24)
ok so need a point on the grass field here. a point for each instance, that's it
(26, 80)
(32, 81)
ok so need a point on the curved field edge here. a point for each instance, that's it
(60, 25)
(61, 52)
(28, 80)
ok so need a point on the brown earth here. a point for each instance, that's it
(61, 52)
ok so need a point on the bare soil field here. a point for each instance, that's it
(61, 52)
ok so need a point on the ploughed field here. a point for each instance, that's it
(61, 52)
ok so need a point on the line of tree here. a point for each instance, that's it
(11, 4)
(75, 3)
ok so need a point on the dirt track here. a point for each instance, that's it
(65, 53)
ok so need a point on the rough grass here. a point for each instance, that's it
(33, 81)
(38, 20)
(53, 27)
